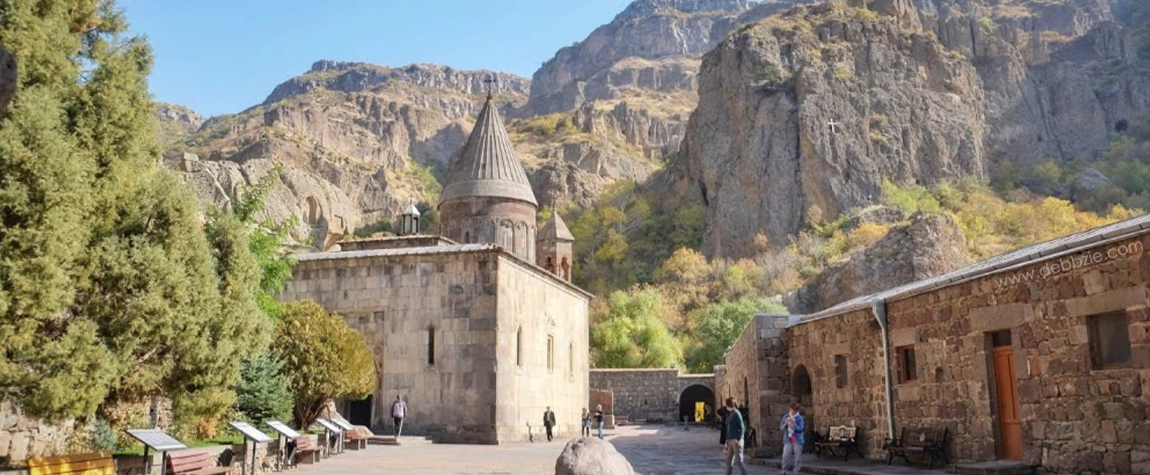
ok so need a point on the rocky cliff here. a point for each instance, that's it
(362, 141)
(928, 245)
(802, 115)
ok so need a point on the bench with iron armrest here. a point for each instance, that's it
(96, 463)
(307, 450)
(839, 438)
(194, 462)
(929, 442)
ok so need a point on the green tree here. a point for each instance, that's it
(632, 335)
(265, 391)
(325, 357)
(717, 326)
(108, 280)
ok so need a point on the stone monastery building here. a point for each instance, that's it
(479, 329)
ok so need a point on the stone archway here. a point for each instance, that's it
(803, 393)
(692, 395)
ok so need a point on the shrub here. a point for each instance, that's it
(324, 357)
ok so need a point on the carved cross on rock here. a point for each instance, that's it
(832, 123)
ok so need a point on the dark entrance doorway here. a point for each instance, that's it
(803, 393)
(691, 397)
(359, 412)
(1006, 396)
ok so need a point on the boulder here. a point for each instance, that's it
(930, 245)
(7, 79)
(591, 456)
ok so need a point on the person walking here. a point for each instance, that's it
(548, 421)
(585, 431)
(735, 428)
(599, 419)
(398, 413)
(792, 427)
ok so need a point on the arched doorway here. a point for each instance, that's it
(803, 393)
(690, 398)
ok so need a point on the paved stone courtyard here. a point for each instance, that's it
(652, 450)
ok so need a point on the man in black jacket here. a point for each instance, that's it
(548, 421)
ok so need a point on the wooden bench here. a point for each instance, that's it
(353, 440)
(839, 438)
(621, 420)
(194, 462)
(95, 463)
(307, 450)
(929, 442)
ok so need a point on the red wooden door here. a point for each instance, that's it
(1009, 426)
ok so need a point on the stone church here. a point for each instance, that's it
(478, 329)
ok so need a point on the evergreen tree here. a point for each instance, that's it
(108, 281)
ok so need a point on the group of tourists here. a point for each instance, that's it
(733, 432)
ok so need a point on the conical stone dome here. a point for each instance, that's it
(487, 166)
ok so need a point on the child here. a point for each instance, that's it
(586, 431)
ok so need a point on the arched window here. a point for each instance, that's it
(519, 347)
(431, 345)
(467, 237)
(313, 211)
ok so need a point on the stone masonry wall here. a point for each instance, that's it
(756, 374)
(544, 309)
(650, 394)
(860, 403)
(1074, 418)
(396, 302)
(23, 437)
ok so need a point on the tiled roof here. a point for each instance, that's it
(1028, 255)
(487, 166)
(401, 251)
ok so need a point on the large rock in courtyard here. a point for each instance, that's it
(591, 456)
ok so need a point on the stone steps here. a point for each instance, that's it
(875, 467)
(407, 440)
(1000, 467)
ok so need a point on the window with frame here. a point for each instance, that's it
(841, 374)
(907, 371)
(1109, 340)
(550, 353)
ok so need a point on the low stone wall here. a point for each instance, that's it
(23, 437)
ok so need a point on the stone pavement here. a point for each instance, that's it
(651, 449)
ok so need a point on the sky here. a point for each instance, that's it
(223, 56)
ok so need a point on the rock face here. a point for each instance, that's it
(806, 114)
(591, 456)
(918, 91)
(930, 245)
(325, 212)
(7, 79)
(653, 30)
